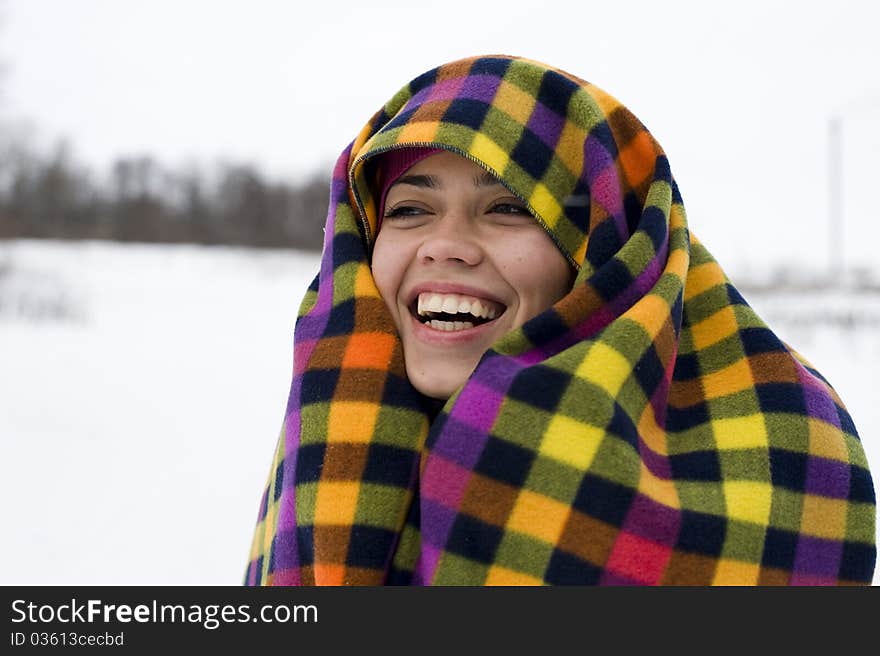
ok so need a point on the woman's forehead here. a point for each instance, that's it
(437, 170)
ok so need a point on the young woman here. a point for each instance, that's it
(517, 366)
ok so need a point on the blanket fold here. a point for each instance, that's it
(648, 428)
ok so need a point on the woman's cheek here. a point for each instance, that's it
(517, 257)
(388, 267)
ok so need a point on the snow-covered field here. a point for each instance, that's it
(142, 388)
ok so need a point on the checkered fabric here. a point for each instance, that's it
(649, 428)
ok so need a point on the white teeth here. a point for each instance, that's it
(450, 304)
(449, 326)
(430, 302)
(435, 303)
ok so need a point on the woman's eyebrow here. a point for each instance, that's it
(426, 181)
(486, 179)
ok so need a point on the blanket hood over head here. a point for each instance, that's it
(648, 428)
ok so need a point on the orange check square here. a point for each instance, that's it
(368, 351)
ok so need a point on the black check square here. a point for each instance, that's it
(788, 469)
(861, 489)
(545, 328)
(687, 367)
(467, 112)
(734, 296)
(309, 464)
(279, 480)
(369, 546)
(505, 461)
(318, 385)
(676, 313)
(305, 542)
(539, 386)
(632, 208)
(473, 539)
(341, 320)
(649, 371)
(555, 92)
(492, 66)
(603, 243)
(781, 397)
(779, 549)
(398, 392)
(613, 276)
(347, 248)
(662, 171)
(696, 466)
(390, 465)
(532, 154)
(759, 340)
(565, 569)
(846, 422)
(653, 224)
(397, 576)
(680, 419)
(623, 427)
(603, 500)
(857, 561)
(701, 533)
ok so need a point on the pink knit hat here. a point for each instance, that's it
(393, 164)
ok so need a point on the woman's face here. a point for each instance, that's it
(460, 262)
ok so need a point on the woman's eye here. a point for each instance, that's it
(403, 211)
(509, 208)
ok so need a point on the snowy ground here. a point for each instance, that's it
(143, 387)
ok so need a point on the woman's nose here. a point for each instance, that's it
(451, 238)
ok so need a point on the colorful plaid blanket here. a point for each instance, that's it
(649, 428)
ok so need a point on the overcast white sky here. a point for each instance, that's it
(739, 94)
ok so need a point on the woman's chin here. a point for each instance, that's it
(437, 384)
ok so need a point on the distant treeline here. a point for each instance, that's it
(139, 199)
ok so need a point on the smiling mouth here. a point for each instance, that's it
(452, 312)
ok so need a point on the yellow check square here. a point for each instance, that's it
(729, 380)
(490, 153)
(351, 421)
(514, 101)
(570, 148)
(824, 517)
(502, 576)
(651, 312)
(570, 441)
(740, 432)
(545, 205)
(605, 367)
(701, 278)
(538, 516)
(735, 572)
(418, 132)
(825, 442)
(748, 501)
(336, 502)
(714, 328)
